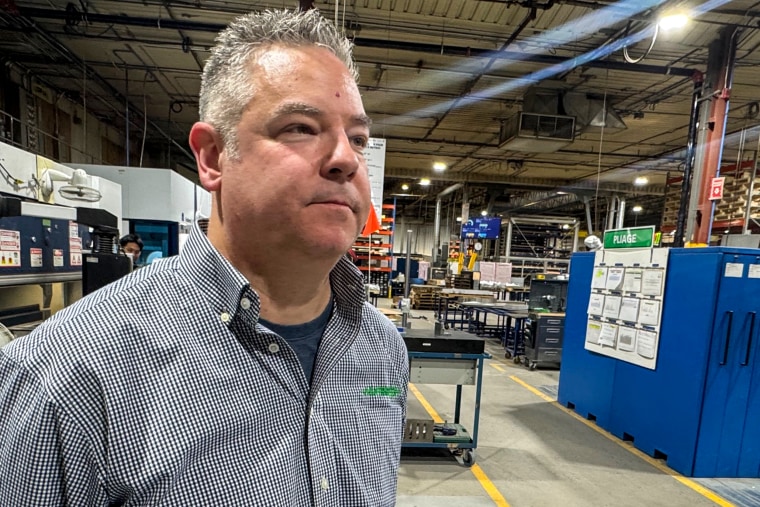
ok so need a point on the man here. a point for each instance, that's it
(248, 370)
(132, 246)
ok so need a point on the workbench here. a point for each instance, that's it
(454, 358)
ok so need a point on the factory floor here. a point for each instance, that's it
(533, 452)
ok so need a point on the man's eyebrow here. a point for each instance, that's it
(297, 108)
(363, 120)
(311, 111)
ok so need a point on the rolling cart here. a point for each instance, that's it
(454, 358)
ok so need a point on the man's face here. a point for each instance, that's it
(132, 249)
(301, 179)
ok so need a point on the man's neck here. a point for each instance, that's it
(294, 287)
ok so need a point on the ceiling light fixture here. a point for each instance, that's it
(425, 182)
(640, 181)
(404, 187)
(673, 21)
(484, 212)
(439, 166)
(637, 209)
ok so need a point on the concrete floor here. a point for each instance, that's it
(531, 452)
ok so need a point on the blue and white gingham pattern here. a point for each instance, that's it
(161, 389)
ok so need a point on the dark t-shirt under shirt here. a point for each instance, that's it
(304, 338)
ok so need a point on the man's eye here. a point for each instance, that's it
(300, 129)
(360, 141)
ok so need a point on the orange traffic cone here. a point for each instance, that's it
(373, 223)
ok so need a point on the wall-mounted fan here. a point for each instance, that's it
(77, 186)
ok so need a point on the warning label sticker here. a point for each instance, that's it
(10, 249)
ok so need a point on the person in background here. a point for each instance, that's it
(249, 369)
(132, 246)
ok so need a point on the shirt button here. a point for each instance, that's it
(225, 317)
(274, 348)
(245, 303)
(324, 484)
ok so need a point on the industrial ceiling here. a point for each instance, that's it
(444, 81)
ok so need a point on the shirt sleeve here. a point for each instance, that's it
(44, 458)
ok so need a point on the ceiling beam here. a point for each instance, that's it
(589, 185)
(547, 59)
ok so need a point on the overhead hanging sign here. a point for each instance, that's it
(632, 237)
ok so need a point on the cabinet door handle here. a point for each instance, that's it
(749, 339)
(728, 338)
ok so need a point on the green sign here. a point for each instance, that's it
(634, 237)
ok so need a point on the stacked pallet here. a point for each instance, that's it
(732, 206)
(734, 203)
(423, 296)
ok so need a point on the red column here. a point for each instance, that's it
(721, 88)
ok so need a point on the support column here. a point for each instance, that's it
(720, 71)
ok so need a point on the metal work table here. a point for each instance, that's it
(453, 358)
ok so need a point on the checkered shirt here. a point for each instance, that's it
(163, 389)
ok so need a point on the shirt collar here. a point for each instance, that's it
(225, 286)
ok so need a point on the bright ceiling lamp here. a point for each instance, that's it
(439, 166)
(673, 21)
(637, 209)
(404, 187)
(484, 212)
(425, 182)
(640, 181)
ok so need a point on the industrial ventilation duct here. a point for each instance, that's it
(550, 120)
(590, 112)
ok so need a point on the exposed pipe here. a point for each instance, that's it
(126, 113)
(621, 213)
(683, 204)
(78, 62)
(114, 19)
(610, 212)
(587, 205)
(474, 81)
(436, 232)
(437, 227)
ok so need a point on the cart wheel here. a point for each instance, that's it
(517, 360)
(468, 457)
(507, 354)
(532, 366)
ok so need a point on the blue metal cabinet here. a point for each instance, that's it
(586, 379)
(660, 409)
(700, 407)
(729, 375)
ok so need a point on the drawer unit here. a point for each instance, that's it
(543, 338)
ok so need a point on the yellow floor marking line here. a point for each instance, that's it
(630, 448)
(484, 481)
(427, 406)
(478, 472)
(497, 367)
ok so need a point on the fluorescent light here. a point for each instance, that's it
(673, 21)
(640, 181)
(425, 182)
(404, 187)
(439, 166)
(637, 209)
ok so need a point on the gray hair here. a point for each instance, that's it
(226, 87)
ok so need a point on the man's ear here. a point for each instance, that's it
(207, 146)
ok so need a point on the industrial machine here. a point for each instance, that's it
(548, 292)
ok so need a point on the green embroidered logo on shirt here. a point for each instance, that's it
(381, 391)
